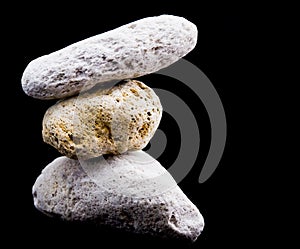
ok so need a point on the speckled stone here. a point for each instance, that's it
(138, 48)
(103, 121)
(131, 191)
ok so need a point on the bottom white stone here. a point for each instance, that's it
(131, 191)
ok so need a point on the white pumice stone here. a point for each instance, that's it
(138, 48)
(131, 191)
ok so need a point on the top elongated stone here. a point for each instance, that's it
(138, 48)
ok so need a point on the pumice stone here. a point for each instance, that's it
(103, 121)
(131, 191)
(138, 48)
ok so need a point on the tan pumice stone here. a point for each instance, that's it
(103, 121)
(131, 191)
(138, 48)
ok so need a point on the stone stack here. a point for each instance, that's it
(104, 177)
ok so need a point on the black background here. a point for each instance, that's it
(220, 53)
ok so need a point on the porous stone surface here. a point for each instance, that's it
(103, 121)
(138, 48)
(131, 191)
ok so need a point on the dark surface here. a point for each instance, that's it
(219, 54)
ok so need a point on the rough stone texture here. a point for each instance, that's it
(112, 192)
(103, 121)
(138, 48)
